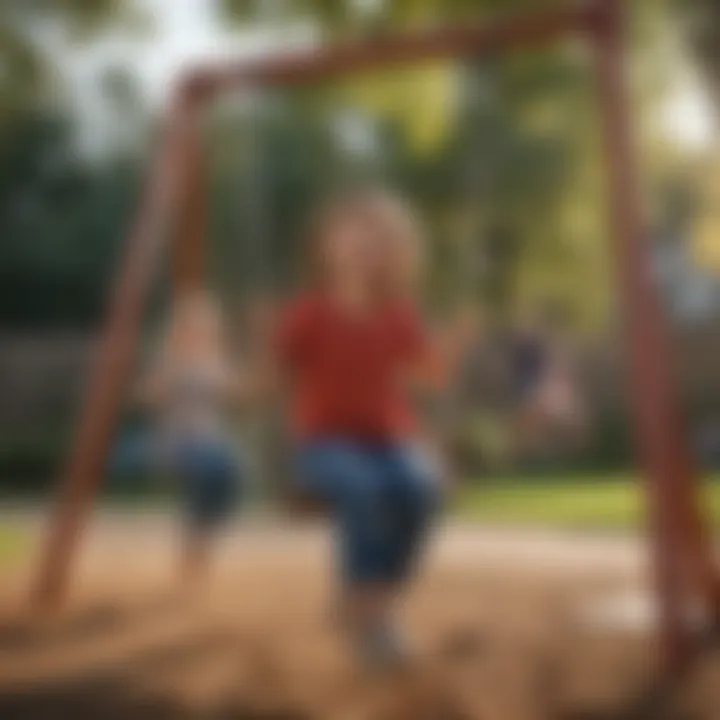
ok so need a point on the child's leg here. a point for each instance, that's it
(195, 551)
(383, 505)
(348, 477)
(210, 471)
(413, 486)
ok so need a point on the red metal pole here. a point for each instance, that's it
(189, 258)
(699, 558)
(663, 453)
(84, 469)
(511, 31)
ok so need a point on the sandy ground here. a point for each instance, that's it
(505, 626)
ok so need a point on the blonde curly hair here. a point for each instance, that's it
(393, 225)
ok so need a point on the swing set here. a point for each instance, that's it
(174, 205)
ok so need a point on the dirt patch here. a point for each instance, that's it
(259, 643)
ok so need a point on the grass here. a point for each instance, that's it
(614, 501)
(14, 546)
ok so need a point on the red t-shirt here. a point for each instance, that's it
(345, 370)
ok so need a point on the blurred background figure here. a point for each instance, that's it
(549, 407)
(188, 392)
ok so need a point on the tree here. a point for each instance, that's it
(61, 219)
(23, 79)
(62, 224)
(25, 69)
(532, 226)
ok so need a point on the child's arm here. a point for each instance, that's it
(439, 354)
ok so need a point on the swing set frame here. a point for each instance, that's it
(681, 548)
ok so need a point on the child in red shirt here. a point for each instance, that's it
(348, 346)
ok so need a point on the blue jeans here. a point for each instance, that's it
(383, 495)
(208, 471)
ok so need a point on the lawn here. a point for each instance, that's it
(600, 501)
(14, 546)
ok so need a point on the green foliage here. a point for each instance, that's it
(15, 546)
(28, 463)
(62, 223)
(61, 219)
(23, 77)
(512, 187)
(502, 157)
(609, 502)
